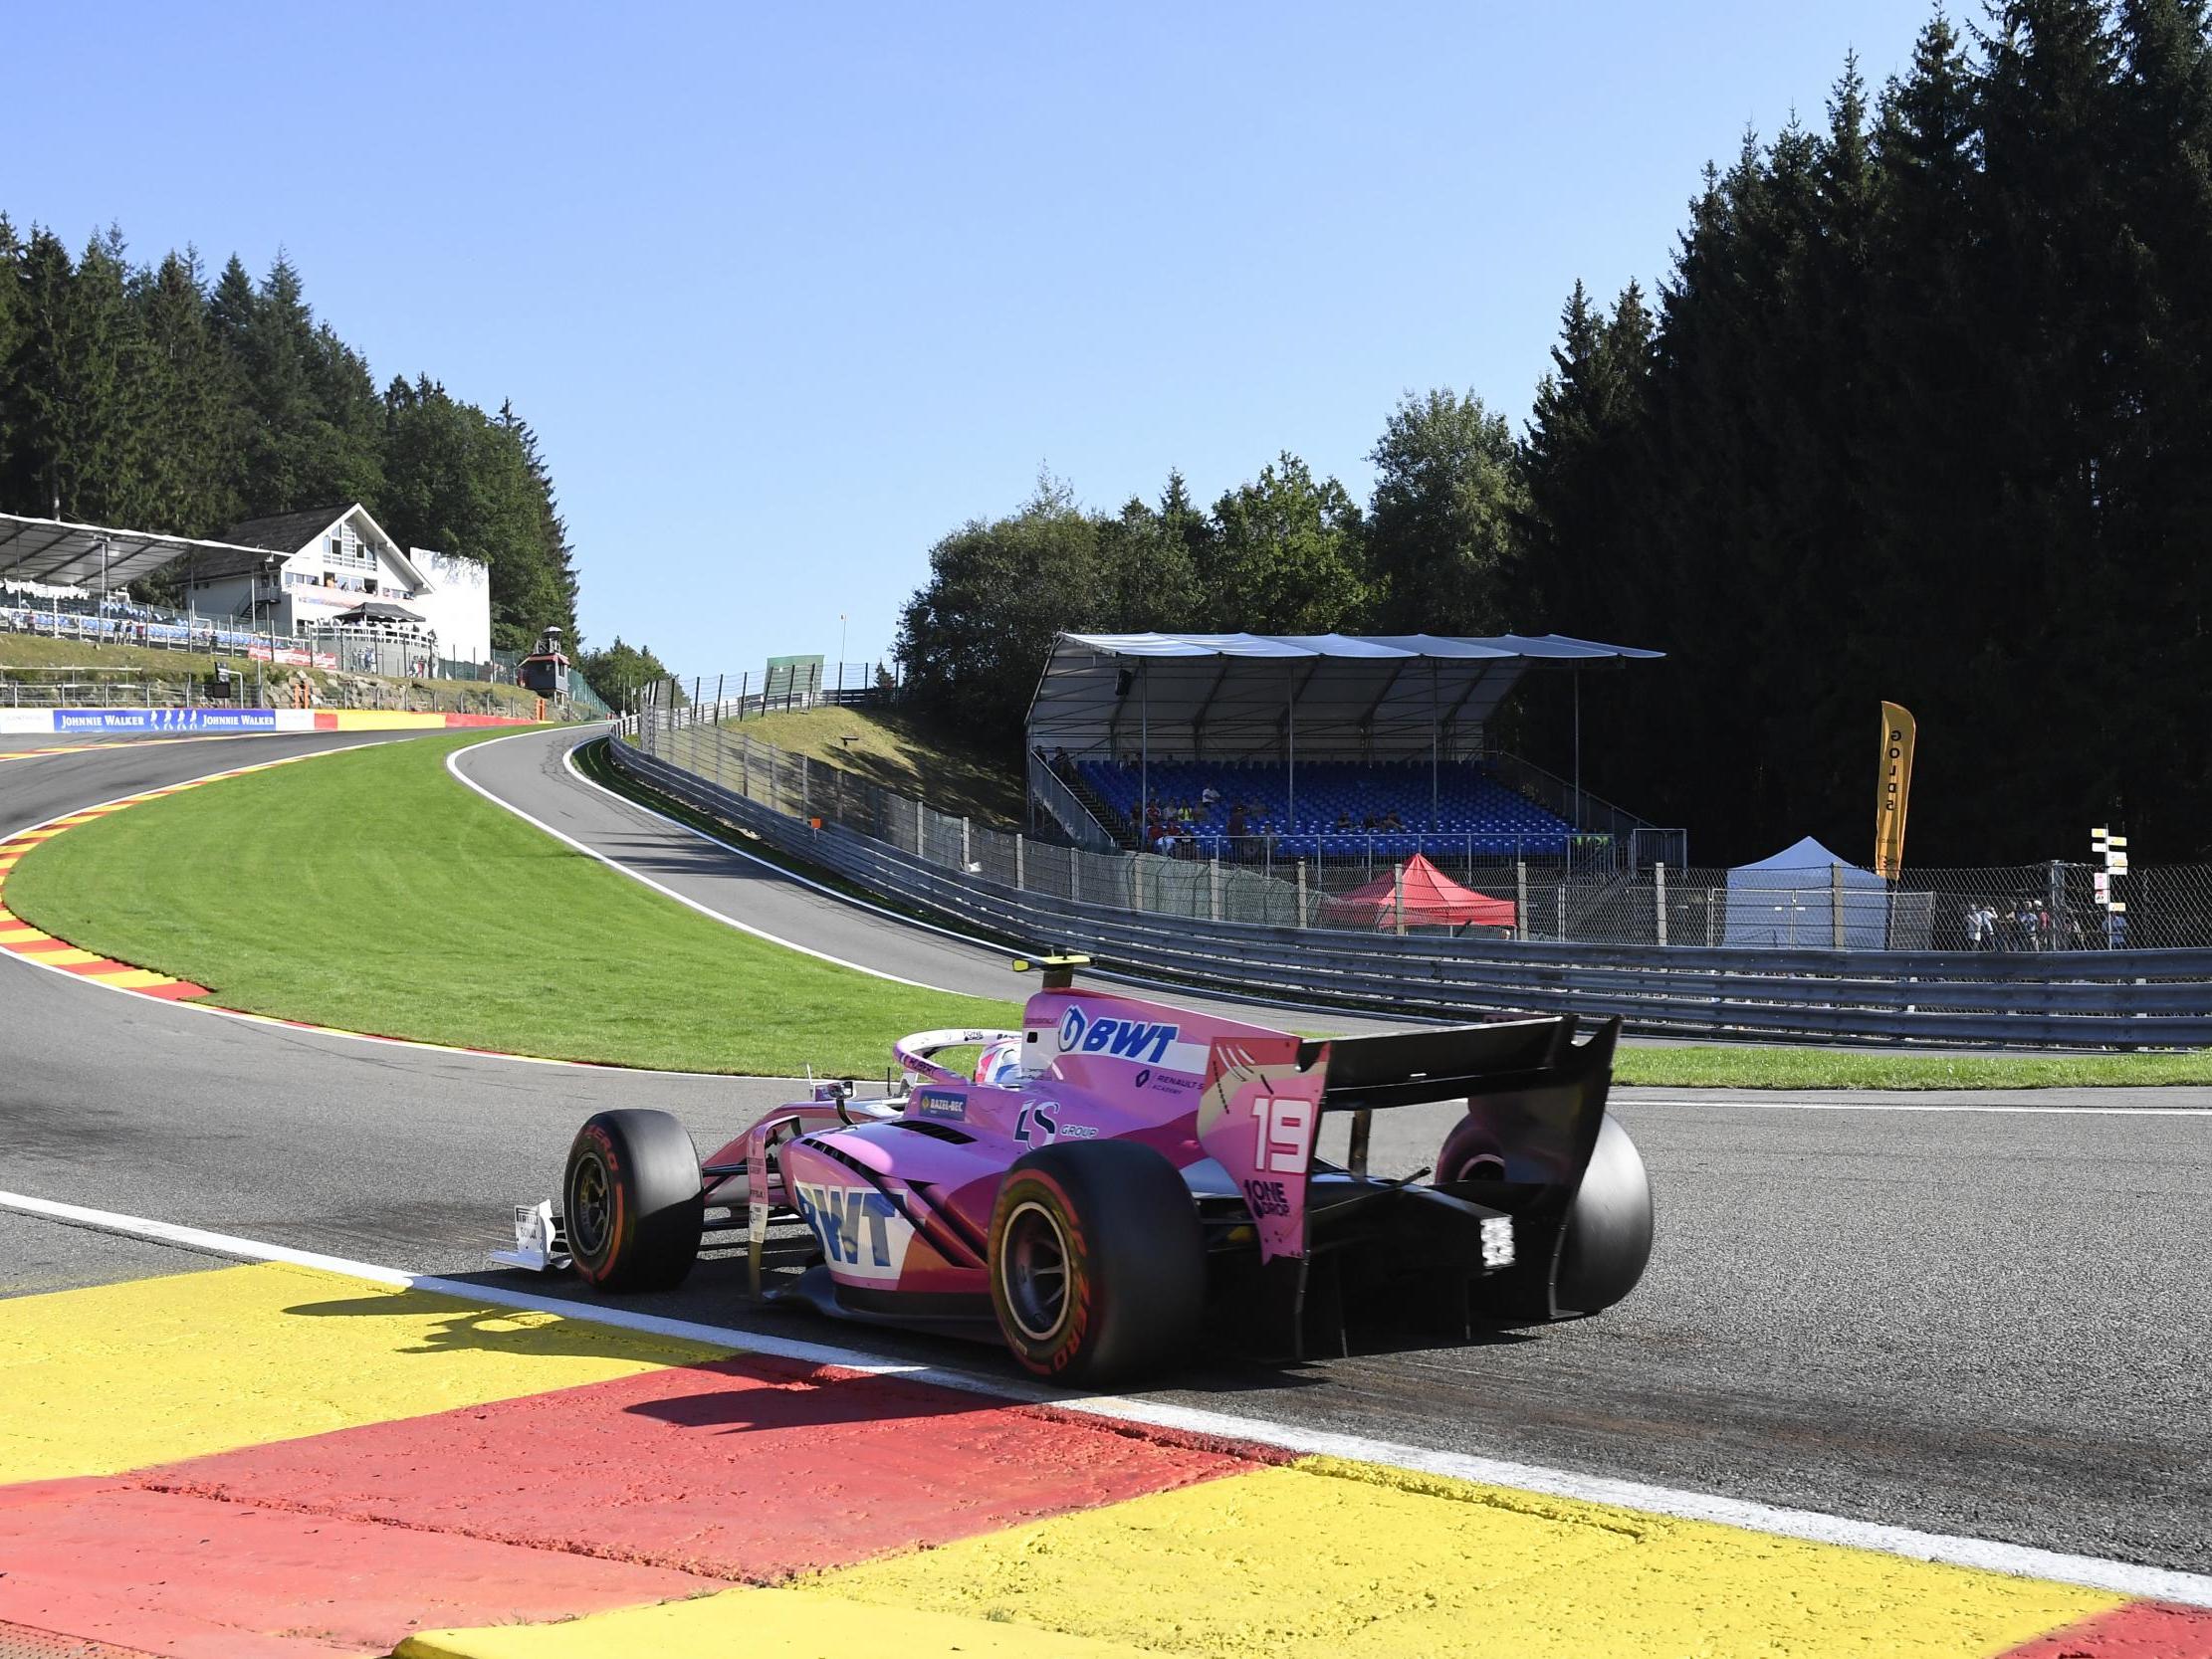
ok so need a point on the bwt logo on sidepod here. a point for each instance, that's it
(861, 1231)
(1123, 1039)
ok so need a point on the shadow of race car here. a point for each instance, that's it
(1120, 1178)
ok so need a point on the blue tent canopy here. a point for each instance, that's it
(1793, 898)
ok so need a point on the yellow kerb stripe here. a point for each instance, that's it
(132, 978)
(124, 1376)
(1350, 1561)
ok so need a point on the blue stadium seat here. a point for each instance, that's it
(1473, 810)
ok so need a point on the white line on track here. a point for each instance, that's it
(913, 924)
(1738, 1101)
(2017, 1561)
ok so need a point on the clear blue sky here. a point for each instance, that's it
(789, 292)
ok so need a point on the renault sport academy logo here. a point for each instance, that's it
(1122, 1039)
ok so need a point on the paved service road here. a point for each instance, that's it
(1988, 1322)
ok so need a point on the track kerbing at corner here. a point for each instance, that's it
(418, 1470)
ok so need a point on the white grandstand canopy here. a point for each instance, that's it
(61, 555)
(1388, 697)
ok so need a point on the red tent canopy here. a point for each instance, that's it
(1431, 898)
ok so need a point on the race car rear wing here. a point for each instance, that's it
(1535, 1097)
(1526, 1080)
(1406, 1068)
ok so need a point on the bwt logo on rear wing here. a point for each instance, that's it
(1145, 1040)
(1258, 1119)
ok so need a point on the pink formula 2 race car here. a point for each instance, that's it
(1121, 1178)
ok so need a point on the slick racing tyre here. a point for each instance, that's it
(1609, 1229)
(1097, 1262)
(631, 1201)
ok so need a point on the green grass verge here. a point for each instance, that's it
(927, 760)
(1816, 1067)
(368, 890)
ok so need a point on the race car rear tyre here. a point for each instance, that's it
(1097, 1262)
(633, 1204)
(1609, 1230)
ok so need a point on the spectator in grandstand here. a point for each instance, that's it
(1208, 796)
(1237, 828)
(1269, 837)
(1344, 820)
(1977, 927)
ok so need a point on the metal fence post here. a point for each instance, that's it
(1521, 898)
(1021, 863)
(1301, 893)
(1214, 888)
(917, 841)
(1398, 898)
(1658, 896)
(1075, 875)
(1835, 905)
(967, 857)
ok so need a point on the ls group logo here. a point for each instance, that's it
(1142, 1040)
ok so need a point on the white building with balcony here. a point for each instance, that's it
(334, 567)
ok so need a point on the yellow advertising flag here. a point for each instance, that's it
(1894, 789)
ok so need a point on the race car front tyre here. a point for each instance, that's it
(1097, 1262)
(633, 1204)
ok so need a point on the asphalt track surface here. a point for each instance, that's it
(1989, 1322)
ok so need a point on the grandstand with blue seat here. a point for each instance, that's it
(1327, 747)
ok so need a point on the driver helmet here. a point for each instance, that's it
(1000, 1062)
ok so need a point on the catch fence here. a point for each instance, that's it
(117, 621)
(1566, 896)
(1222, 925)
(94, 624)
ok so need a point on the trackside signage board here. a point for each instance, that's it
(165, 720)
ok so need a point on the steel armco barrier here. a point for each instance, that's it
(2087, 999)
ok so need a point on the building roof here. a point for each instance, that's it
(1374, 696)
(73, 555)
(254, 540)
(291, 533)
(376, 610)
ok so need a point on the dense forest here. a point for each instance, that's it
(1922, 410)
(142, 396)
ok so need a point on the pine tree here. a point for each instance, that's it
(193, 428)
(11, 334)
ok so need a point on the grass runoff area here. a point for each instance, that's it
(368, 890)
